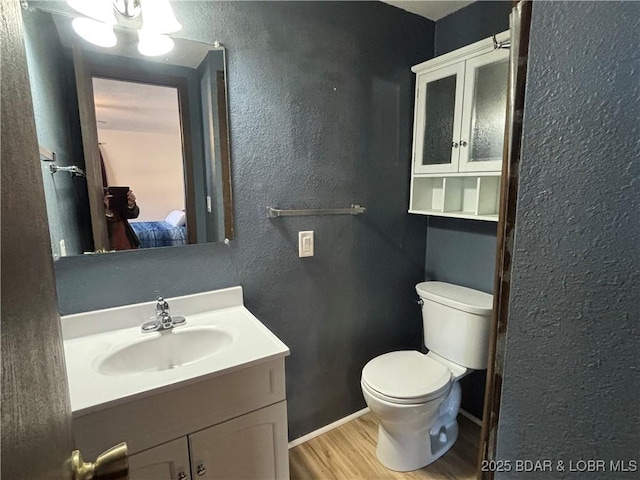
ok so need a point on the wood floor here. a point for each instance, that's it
(349, 453)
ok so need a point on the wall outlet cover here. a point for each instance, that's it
(305, 244)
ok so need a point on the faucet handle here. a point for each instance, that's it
(162, 305)
(165, 320)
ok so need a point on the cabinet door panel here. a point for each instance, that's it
(438, 117)
(253, 446)
(484, 119)
(169, 461)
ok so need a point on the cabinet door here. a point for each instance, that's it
(253, 446)
(438, 119)
(484, 115)
(169, 461)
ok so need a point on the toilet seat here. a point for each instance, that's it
(406, 377)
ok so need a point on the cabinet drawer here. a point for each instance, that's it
(173, 413)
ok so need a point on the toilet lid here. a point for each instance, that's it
(406, 375)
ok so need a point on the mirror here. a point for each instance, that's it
(112, 117)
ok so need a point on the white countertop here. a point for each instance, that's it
(90, 335)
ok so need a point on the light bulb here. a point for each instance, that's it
(158, 17)
(95, 32)
(153, 44)
(101, 10)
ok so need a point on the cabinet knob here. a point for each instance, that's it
(454, 144)
(463, 143)
(182, 476)
(200, 470)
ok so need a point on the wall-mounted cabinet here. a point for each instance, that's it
(459, 122)
(474, 197)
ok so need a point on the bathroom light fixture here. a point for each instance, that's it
(129, 9)
(101, 10)
(153, 44)
(157, 20)
(96, 32)
(160, 18)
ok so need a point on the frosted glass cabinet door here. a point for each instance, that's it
(437, 123)
(249, 447)
(483, 123)
(169, 461)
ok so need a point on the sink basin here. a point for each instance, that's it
(163, 351)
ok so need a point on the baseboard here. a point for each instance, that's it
(473, 418)
(327, 428)
(353, 416)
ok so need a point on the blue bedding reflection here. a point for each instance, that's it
(159, 234)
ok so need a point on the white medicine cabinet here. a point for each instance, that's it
(459, 122)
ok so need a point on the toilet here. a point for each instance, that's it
(416, 396)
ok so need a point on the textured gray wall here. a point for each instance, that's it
(321, 102)
(571, 384)
(53, 90)
(461, 251)
(470, 24)
(464, 251)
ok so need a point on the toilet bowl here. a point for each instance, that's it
(416, 396)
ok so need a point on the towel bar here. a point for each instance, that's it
(353, 210)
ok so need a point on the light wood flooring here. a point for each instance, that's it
(349, 453)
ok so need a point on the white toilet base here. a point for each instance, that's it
(411, 436)
(407, 451)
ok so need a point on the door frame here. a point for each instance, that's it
(86, 70)
(37, 438)
(521, 19)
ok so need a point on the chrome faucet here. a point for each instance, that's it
(163, 320)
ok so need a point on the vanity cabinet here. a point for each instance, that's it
(218, 412)
(243, 448)
(231, 426)
(246, 447)
(459, 122)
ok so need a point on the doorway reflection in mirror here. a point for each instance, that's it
(141, 145)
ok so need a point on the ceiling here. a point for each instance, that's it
(136, 107)
(431, 9)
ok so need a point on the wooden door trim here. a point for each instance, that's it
(92, 166)
(225, 154)
(36, 411)
(504, 247)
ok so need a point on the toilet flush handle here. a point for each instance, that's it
(420, 302)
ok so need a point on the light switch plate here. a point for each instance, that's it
(305, 244)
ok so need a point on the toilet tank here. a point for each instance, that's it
(456, 322)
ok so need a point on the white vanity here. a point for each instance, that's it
(205, 400)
